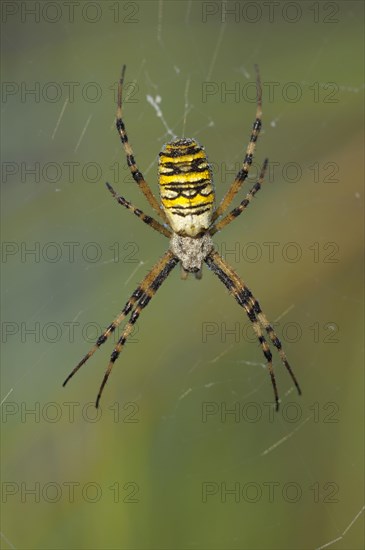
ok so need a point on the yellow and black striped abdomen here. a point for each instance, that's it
(186, 187)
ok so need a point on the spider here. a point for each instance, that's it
(189, 221)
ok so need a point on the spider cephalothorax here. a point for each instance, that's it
(191, 251)
(189, 219)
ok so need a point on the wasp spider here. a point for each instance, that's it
(189, 220)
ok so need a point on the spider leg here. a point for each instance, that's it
(136, 174)
(243, 172)
(275, 340)
(160, 274)
(237, 211)
(246, 300)
(137, 295)
(146, 219)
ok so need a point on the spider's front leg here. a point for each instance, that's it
(160, 272)
(142, 295)
(245, 299)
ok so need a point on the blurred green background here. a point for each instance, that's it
(165, 465)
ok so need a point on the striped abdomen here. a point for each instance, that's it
(186, 187)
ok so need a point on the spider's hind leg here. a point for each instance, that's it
(247, 161)
(131, 161)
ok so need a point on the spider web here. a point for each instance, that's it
(192, 362)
